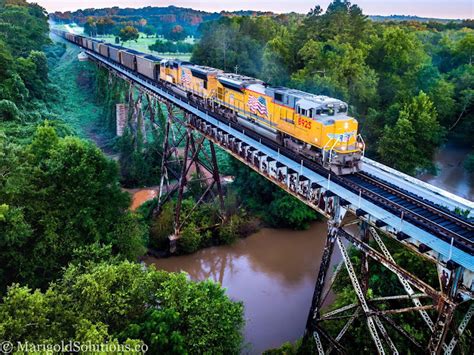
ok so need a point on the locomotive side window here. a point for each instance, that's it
(279, 97)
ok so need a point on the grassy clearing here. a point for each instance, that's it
(74, 80)
(143, 42)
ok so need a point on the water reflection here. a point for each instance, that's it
(451, 175)
(272, 272)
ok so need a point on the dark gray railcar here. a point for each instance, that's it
(89, 44)
(115, 51)
(95, 45)
(104, 49)
(128, 58)
(149, 66)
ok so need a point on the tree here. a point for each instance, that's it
(90, 27)
(422, 113)
(69, 196)
(398, 147)
(128, 33)
(176, 33)
(190, 239)
(149, 30)
(287, 211)
(116, 302)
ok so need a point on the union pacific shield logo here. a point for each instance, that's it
(344, 137)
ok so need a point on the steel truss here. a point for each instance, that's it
(184, 155)
(181, 132)
(441, 300)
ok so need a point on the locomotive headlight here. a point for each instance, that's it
(316, 140)
(361, 145)
(346, 125)
(343, 147)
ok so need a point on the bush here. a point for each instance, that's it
(229, 231)
(287, 211)
(8, 111)
(162, 227)
(190, 239)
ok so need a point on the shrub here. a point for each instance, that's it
(229, 231)
(190, 239)
(162, 227)
(8, 111)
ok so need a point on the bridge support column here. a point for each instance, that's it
(316, 302)
(378, 311)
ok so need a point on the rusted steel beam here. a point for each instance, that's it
(445, 316)
(217, 177)
(314, 312)
(462, 326)
(402, 310)
(339, 310)
(401, 331)
(344, 329)
(182, 184)
(372, 321)
(364, 260)
(415, 281)
(336, 344)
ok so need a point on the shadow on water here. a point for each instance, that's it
(273, 272)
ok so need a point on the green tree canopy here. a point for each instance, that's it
(128, 33)
(122, 301)
(68, 194)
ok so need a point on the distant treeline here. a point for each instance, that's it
(159, 20)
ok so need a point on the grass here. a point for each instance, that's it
(77, 105)
(142, 44)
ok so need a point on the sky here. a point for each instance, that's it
(454, 9)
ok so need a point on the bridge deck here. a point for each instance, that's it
(429, 192)
(394, 222)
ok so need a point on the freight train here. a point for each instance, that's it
(315, 126)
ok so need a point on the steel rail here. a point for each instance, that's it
(385, 203)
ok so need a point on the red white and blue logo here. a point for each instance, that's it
(258, 105)
(185, 77)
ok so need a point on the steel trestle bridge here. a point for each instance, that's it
(381, 201)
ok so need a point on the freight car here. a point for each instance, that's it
(315, 126)
(95, 45)
(149, 66)
(104, 49)
(114, 52)
(128, 58)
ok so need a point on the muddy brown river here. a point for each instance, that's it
(272, 271)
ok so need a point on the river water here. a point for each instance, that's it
(272, 271)
(451, 174)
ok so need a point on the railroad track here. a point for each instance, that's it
(430, 217)
(425, 214)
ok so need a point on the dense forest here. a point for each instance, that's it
(69, 245)
(409, 84)
(169, 21)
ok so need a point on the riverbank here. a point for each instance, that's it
(272, 272)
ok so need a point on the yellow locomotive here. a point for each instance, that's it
(315, 126)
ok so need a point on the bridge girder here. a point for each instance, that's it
(319, 197)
